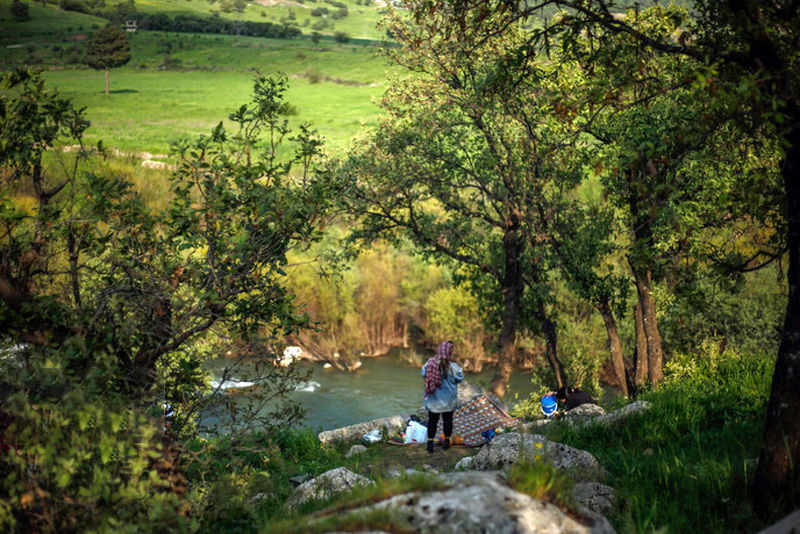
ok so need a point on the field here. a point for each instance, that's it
(179, 85)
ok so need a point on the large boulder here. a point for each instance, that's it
(509, 448)
(481, 502)
(594, 496)
(392, 425)
(326, 486)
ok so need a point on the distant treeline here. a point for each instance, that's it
(192, 24)
(124, 11)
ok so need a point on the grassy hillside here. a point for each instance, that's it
(180, 85)
(356, 18)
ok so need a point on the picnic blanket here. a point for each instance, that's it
(473, 417)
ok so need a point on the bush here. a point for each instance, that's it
(82, 465)
(341, 37)
(73, 5)
(319, 11)
(19, 10)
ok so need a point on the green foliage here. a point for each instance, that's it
(539, 479)
(108, 48)
(79, 461)
(687, 463)
(19, 10)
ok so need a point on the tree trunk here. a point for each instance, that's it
(777, 480)
(549, 330)
(614, 345)
(655, 355)
(512, 287)
(640, 354)
(106, 80)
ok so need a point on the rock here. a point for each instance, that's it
(586, 410)
(508, 448)
(355, 449)
(256, 499)
(624, 412)
(594, 497)
(533, 425)
(464, 463)
(299, 479)
(501, 509)
(327, 485)
(392, 424)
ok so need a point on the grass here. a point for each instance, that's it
(360, 22)
(686, 464)
(150, 107)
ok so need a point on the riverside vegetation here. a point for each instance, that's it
(597, 200)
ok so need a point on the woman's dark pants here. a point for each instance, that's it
(447, 423)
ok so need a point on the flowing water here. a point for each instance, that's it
(382, 386)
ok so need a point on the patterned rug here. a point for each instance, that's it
(474, 417)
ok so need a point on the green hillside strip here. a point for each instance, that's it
(43, 21)
(180, 85)
(359, 22)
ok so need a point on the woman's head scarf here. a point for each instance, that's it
(433, 367)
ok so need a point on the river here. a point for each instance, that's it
(382, 386)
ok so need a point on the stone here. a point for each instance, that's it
(355, 449)
(624, 412)
(594, 496)
(509, 448)
(256, 499)
(464, 463)
(326, 486)
(586, 410)
(500, 509)
(392, 425)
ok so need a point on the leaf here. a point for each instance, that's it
(26, 499)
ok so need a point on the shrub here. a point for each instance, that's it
(319, 11)
(73, 5)
(341, 37)
(19, 10)
(82, 465)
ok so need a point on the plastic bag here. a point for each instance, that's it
(373, 436)
(416, 433)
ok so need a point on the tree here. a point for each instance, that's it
(92, 266)
(19, 10)
(108, 48)
(745, 50)
(464, 152)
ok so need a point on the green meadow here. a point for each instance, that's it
(182, 85)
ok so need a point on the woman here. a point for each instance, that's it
(442, 376)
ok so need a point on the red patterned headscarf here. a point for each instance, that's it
(433, 367)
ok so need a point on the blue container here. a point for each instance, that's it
(549, 405)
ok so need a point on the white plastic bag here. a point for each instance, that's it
(373, 436)
(416, 433)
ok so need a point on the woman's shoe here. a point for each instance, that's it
(430, 445)
(446, 444)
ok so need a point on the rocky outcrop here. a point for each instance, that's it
(392, 425)
(624, 412)
(326, 486)
(586, 410)
(594, 496)
(500, 509)
(509, 448)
